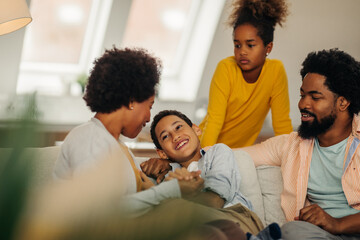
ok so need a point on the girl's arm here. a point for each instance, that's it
(280, 104)
(218, 97)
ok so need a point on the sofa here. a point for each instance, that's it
(262, 185)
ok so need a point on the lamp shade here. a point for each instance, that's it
(14, 14)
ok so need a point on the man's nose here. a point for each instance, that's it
(304, 103)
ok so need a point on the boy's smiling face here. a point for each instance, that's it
(178, 140)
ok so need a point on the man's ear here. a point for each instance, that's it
(161, 154)
(343, 104)
(196, 129)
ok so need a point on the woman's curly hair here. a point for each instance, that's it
(262, 14)
(342, 73)
(121, 76)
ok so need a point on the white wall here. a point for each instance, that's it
(313, 25)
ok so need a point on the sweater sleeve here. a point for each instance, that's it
(218, 98)
(139, 203)
(280, 104)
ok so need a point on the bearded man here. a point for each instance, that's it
(320, 163)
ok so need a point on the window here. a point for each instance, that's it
(65, 37)
(180, 32)
(59, 44)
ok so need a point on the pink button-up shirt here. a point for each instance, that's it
(294, 155)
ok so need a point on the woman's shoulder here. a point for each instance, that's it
(86, 131)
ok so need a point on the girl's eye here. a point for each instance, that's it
(237, 45)
(302, 96)
(315, 98)
(251, 45)
(178, 127)
(164, 137)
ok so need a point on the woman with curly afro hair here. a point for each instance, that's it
(121, 92)
(245, 86)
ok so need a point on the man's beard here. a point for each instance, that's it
(309, 130)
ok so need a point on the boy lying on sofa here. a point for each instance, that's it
(176, 139)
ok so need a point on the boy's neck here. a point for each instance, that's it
(193, 158)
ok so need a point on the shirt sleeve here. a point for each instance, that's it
(222, 175)
(218, 98)
(139, 203)
(268, 152)
(280, 104)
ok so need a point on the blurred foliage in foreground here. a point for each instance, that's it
(15, 173)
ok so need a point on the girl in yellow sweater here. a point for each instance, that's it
(245, 86)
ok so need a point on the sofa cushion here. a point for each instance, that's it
(271, 185)
(249, 182)
(41, 162)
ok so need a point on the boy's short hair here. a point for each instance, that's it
(160, 116)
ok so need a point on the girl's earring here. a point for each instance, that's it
(267, 54)
(132, 108)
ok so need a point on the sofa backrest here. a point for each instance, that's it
(42, 162)
(262, 186)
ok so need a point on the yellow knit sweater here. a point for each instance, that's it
(237, 109)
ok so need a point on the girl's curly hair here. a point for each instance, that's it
(262, 14)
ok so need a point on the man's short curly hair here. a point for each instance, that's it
(121, 76)
(160, 116)
(342, 73)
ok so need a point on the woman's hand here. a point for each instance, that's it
(190, 183)
(146, 182)
(156, 168)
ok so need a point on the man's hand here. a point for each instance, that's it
(156, 168)
(146, 182)
(317, 216)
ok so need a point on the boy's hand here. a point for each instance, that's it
(146, 182)
(183, 174)
(156, 168)
(190, 182)
(192, 187)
